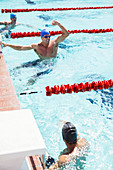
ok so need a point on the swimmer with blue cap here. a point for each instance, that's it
(13, 19)
(13, 16)
(8, 25)
(47, 48)
(45, 36)
(44, 32)
(6, 31)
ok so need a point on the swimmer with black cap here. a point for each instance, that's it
(69, 133)
(76, 148)
(46, 49)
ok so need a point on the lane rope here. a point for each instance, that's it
(81, 87)
(37, 34)
(51, 9)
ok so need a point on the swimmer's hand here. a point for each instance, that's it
(55, 22)
(4, 44)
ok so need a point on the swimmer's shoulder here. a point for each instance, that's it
(34, 45)
(64, 158)
(53, 42)
(82, 143)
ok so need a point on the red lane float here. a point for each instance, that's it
(51, 9)
(37, 34)
(79, 87)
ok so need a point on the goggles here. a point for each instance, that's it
(47, 36)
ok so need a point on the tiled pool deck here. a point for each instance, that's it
(9, 101)
(8, 98)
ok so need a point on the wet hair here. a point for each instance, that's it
(69, 133)
(44, 32)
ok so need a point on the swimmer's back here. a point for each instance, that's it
(77, 158)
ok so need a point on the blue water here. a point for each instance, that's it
(81, 58)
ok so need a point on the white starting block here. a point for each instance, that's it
(19, 137)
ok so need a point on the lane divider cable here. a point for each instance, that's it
(51, 9)
(81, 87)
(37, 34)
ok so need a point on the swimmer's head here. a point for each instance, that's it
(69, 133)
(13, 16)
(44, 32)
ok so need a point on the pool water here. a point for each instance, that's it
(81, 58)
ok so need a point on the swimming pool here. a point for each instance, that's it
(81, 58)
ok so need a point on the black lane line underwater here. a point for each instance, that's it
(37, 75)
(34, 78)
(32, 64)
(29, 64)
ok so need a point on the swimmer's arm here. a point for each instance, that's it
(53, 166)
(18, 47)
(62, 160)
(35, 47)
(4, 23)
(26, 25)
(65, 32)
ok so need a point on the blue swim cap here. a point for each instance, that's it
(12, 16)
(44, 32)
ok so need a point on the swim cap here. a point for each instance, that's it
(44, 32)
(12, 16)
(69, 133)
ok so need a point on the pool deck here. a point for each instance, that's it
(9, 101)
(8, 98)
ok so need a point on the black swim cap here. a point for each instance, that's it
(69, 133)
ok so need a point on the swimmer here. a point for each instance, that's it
(30, 2)
(10, 25)
(75, 154)
(47, 48)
